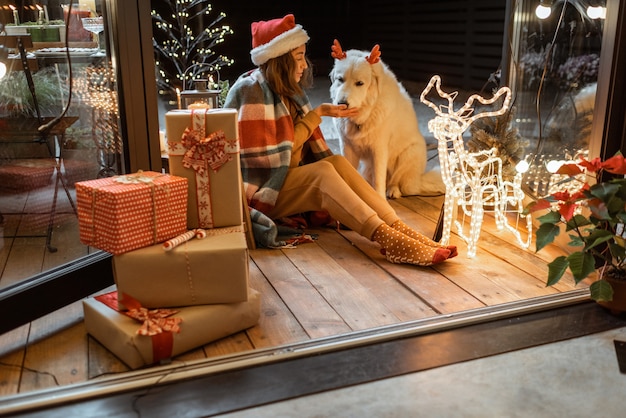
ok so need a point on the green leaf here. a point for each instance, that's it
(599, 209)
(617, 251)
(581, 265)
(597, 237)
(601, 291)
(576, 222)
(576, 241)
(551, 217)
(556, 269)
(604, 191)
(545, 235)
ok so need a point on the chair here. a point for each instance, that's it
(473, 180)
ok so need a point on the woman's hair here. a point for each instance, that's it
(279, 74)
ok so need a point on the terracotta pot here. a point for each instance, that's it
(618, 304)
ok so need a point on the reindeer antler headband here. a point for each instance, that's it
(338, 53)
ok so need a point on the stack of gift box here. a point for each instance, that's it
(180, 257)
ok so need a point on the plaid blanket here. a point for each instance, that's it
(266, 141)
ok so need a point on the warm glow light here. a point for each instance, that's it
(522, 166)
(473, 180)
(596, 12)
(553, 165)
(543, 12)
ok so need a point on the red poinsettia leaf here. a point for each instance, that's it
(562, 196)
(570, 169)
(615, 164)
(538, 205)
(567, 210)
(593, 165)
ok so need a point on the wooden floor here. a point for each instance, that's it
(340, 283)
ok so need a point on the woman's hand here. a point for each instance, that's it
(336, 111)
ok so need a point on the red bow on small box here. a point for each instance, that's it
(204, 151)
(156, 323)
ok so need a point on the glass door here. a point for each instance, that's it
(60, 123)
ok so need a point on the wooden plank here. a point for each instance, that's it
(313, 312)
(10, 372)
(501, 244)
(490, 275)
(489, 279)
(434, 289)
(101, 361)
(191, 355)
(340, 289)
(12, 350)
(60, 335)
(66, 239)
(277, 323)
(233, 344)
(380, 284)
(24, 260)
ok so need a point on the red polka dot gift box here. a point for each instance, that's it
(123, 213)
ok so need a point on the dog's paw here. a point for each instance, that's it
(394, 192)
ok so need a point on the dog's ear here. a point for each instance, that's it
(374, 56)
(336, 51)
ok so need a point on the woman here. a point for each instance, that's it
(286, 164)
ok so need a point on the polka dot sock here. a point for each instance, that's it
(399, 248)
(407, 230)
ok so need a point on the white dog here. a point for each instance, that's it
(385, 134)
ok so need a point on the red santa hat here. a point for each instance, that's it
(276, 37)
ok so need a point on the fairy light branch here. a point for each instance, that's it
(183, 40)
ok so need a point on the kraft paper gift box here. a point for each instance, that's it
(203, 146)
(193, 327)
(214, 269)
(122, 213)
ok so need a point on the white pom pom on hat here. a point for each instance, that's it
(276, 37)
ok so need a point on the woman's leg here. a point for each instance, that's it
(319, 186)
(363, 189)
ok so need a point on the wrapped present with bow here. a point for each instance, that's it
(203, 146)
(210, 268)
(142, 336)
(122, 213)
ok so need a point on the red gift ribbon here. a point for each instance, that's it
(204, 151)
(155, 323)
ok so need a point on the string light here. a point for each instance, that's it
(542, 11)
(596, 12)
(474, 180)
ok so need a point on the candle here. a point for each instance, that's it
(41, 18)
(178, 98)
(16, 17)
(198, 105)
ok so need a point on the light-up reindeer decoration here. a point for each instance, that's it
(473, 180)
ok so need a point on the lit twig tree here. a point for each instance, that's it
(184, 37)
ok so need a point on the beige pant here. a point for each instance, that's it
(333, 185)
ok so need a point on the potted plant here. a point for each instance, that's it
(42, 32)
(16, 99)
(593, 215)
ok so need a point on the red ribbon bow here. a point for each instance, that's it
(204, 151)
(154, 321)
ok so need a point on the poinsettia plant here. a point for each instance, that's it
(594, 217)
